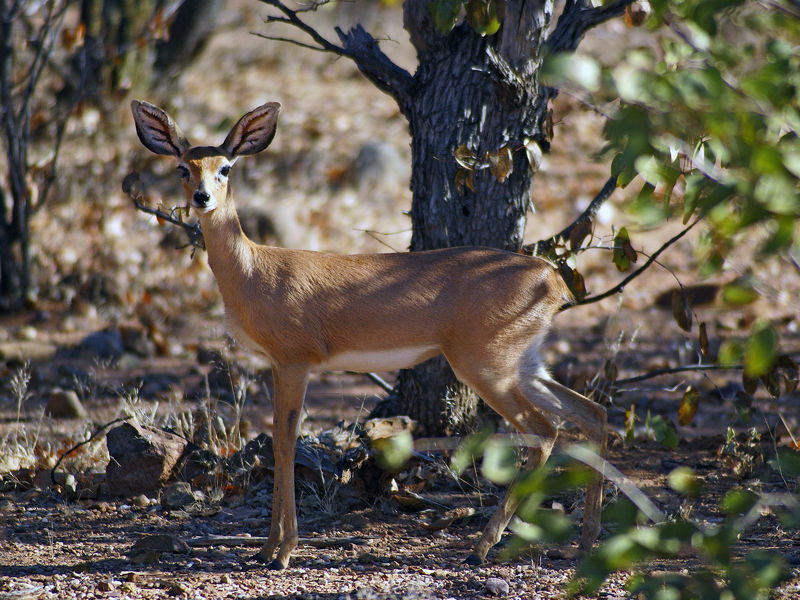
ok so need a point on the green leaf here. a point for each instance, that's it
(621, 515)
(769, 568)
(569, 68)
(740, 292)
(737, 502)
(499, 461)
(445, 14)
(684, 481)
(761, 350)
(485, 16)
(663, 431)
(787, 462)
(393, 452)
(471, 448)
(731, 352)
(624, 254)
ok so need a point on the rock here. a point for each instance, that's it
(378, 163)
(161, 542)
(142, 459)
(496, 586)
(178, 588)
(64, 404)
(380, 428)
(21, 351)
(105, 344)
(136, 341)
(179, 495)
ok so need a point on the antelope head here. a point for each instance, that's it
(204, 170)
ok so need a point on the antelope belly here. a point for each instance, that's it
(377, 360)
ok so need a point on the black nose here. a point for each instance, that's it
(200, 197)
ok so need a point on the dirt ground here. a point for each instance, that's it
(134, 326)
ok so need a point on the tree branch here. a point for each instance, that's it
(388, 77)
(621, 285)
(357, 45)
(577, 18)
(132, 186)
(292, 19)
(672, 370)
(543, 247)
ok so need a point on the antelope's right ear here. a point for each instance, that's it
(157, 131)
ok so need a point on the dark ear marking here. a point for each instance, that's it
(157, 131)
(253, 132)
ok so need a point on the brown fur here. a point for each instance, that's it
(486, 310)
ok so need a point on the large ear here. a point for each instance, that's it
(157, 131)
(253, 132)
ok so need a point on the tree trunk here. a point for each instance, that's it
(481, 93)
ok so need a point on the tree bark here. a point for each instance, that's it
(474, 98)
(482, 93)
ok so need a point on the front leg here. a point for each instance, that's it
(290, 389)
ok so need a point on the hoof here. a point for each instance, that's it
(257, 557)
(276, 565)
(473, 560)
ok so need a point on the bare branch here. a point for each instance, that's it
(577, 18)
(543, 247)
(292, 19)
(290, 41)
(621, 285)
(357, 45)
(132, 186)
(673, 370)
(364, 50)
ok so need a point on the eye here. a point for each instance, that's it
(225, 170)
(183, 172)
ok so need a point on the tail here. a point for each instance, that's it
(567, 296)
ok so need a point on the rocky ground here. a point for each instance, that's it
(123, 324)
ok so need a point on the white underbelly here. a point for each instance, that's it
(377, 360)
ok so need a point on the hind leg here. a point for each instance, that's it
(519, 413)
(554, 398)
(591, 419)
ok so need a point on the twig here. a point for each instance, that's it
(97, 432)
(621, 285)
(132, 186)
(241, 540)
(357, 45)
(379, 381)
(289, 41)
(610, 472)
(545, 246)
(672, 370)
(292, 19)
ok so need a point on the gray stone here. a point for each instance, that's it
(142, 459)
(496, 586)
(21, 351)
(161, 542)
(179, 495)
(106, 344)
(64, 404)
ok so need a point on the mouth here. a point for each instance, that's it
(204, 207)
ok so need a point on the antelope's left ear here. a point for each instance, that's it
(253, 132)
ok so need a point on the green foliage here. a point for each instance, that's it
(632, 544)
(662, 430)
(484, 16)
(713, 112)
(393, 452)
